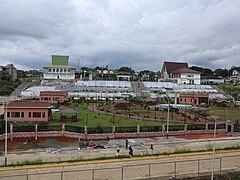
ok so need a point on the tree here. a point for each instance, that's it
(205, 71)
(126, 69)
(222, 72)
(85, 68)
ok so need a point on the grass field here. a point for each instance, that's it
(94, 119)
(228, 114)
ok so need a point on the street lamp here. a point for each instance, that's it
(214, 144)
(6, 135)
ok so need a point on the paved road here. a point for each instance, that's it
(160, 145)
(140, 147)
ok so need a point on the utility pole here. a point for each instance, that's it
(78, 65)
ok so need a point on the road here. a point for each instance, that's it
(130, 168)
(134, 168)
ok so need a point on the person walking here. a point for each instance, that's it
(151, 149)
(130, 151)
(127, 143)
(118, 151)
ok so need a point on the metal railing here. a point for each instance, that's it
(172, 169)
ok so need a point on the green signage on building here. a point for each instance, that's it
(60, 60)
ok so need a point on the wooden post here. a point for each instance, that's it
(36, 131)
(11, 131)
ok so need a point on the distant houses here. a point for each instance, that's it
(179, 72)
(59, 69)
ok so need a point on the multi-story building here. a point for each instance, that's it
(235, 76)
(59, 69)
(180, 73)
(11, 70)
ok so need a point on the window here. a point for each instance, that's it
(53, 70)
(22, 114)
(57, 70)
(15, 114)
(190, 75)
(8, 114)
(45, 98)
(185, 100)
(36, 114)
(181, 99)
(43, 114)
(29, 114)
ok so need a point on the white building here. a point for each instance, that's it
(180, 73)
(235, 76)
(59, 69)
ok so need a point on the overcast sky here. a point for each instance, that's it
(136, 33)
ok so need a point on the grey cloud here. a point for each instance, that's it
(138, 33)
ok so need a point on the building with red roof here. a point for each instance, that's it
(53, 96)
(27, 111)
(194, 99)
(179, 72)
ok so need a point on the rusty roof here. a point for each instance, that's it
(186, 70)
(173, 66)
(53, 93)
(28, 104)
(194, 95)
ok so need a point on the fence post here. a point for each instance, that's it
(163, 130)
(206, 128)
(93, 174)
(220, 165)
(61, 175)
(85, 131)
(138, 129)
(63, 129)
(198, 167)
(122, 172)
(36, 131)
(113, 131)
(185, 128)
(149, 170)
(11, 131)
(175, 169)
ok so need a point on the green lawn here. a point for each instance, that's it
(95, 119)
(231, 114)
